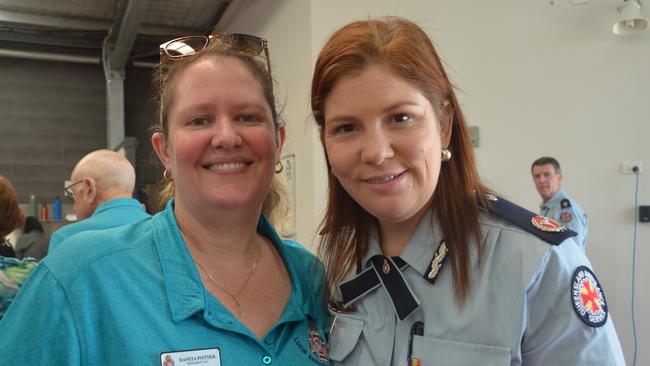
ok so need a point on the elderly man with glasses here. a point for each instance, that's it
(101, 189)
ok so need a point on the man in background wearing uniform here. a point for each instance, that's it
(556, 204)
(101, 188)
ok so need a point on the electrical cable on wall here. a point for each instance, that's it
(636, 219)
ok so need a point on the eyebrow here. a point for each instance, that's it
(346, 118)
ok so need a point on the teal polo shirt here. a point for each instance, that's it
(137, 296)
(110, 214)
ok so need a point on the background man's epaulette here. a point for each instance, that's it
(542, 227)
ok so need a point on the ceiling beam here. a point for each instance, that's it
(122, 34)
(227, 16)
(14, 18)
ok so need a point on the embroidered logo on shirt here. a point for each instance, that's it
(317, 344)
(436, 263)
(588, 297)
(565, 217)
(546, 224)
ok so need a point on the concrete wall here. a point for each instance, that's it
(54, 113)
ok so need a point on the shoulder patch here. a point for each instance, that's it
(565, 217)
(544, 228)
(588, 298)
(565, 203)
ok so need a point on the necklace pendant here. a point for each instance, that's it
(238, 308)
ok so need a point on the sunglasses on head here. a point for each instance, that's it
(245, 44)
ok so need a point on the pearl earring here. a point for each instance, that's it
(446, 155)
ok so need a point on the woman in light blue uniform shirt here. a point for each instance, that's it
(425, 266)
(208, 280)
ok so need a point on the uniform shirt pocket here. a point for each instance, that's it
(344, 336)
(451, 353)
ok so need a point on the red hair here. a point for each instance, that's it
(405, 48)
(11, 216)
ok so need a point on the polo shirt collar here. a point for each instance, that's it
(181, 279)
(116, 202)
(185, 291)
(302, 302)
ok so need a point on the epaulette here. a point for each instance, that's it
(542, 227)
(565, 203)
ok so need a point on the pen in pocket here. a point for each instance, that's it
(416, 329)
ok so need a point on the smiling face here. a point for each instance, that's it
(384, 143)
(222, 145)
(547, 181)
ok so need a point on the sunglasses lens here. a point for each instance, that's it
(244, 43)
(185, 46)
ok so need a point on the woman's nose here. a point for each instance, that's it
(376, 147)
(225, 135)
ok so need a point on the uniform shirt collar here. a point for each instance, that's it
(420, 248)
(553, 201)
(185, 291)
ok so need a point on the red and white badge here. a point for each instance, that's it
(588, 297)
(565, 217)
(545, 224)
(317, 344)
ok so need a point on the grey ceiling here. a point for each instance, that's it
(79, 27)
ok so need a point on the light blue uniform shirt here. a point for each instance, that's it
(567, 212)
(518, 312)
(110, 214)
(138, 294)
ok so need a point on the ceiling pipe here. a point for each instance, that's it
(58, 57)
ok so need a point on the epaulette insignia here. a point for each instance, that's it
(436, 263)
(544, 228)
(565, 203)
(545, 224)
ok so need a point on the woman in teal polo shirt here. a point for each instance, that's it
(208, 280)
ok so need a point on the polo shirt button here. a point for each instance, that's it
(266, 360)
(268, 340)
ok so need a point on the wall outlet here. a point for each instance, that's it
(627, 166)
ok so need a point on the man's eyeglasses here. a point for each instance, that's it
(245, 44)
(68, 192)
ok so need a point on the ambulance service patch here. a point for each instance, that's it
(565, 217)
(588, 297)
(317, 344)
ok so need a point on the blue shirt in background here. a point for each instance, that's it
(566, 211)
(110, 214)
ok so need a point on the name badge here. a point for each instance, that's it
(196, 357)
